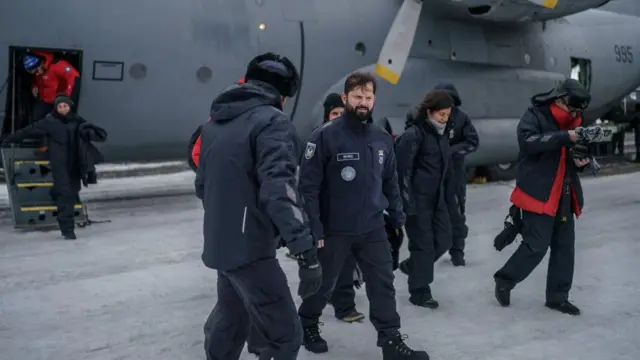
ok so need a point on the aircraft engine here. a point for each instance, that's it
(397, 44)
(526, 10)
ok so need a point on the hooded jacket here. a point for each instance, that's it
(246, 179)
(59, 77)
(463, 136)
(71, 154)
(423, 162)
(193, 159)
(543, 163)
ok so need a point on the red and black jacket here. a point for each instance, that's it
(544, 162)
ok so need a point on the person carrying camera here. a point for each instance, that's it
(549, 193)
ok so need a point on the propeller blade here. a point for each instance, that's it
(397, 44)
(549, 4)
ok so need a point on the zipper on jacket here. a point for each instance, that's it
(244, 219)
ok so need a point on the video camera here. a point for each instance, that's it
(582, 149)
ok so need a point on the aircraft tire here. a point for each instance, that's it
(502, 172)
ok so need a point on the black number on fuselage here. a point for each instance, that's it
(624, 54)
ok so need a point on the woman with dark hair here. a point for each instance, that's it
(423, 169)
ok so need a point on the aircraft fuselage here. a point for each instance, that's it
(178, 56)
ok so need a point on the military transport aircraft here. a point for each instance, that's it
(151, 68)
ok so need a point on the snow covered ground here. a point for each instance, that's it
(136, 289)
(129, 187)
(135, 166)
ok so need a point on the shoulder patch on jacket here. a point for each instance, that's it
(310, 150)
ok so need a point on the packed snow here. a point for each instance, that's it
(135, 288)
(128, 187)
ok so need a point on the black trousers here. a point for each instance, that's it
(456, 203)
(66, 194)
(343, 297)
(373, 255)
(256, 295)
(540, 232)
(428, 241)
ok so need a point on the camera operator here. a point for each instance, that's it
(548, 192)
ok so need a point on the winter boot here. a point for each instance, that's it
(353, 316)
(564, 307)
(69, 235)
(503, 294)
(253, 351)
(396, 349)
(424, 299)
(312, 340)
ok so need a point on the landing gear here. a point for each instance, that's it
(497, 172)
(501, 172)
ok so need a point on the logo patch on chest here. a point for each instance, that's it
(451, 134)
(348, 173)
(348, 156)
(381, 156)
(310, 151)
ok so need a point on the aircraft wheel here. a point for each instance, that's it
(502, 172)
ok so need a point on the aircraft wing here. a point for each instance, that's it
(523, 10)
(399, 39)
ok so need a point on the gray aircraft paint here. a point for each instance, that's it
(497, 62)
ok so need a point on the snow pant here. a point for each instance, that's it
(540, 232)
(373, 255)
(429, 235)
(255, 296)
(456, 203)
(65, 193)
(343, 297)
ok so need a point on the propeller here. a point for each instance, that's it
(397, 44)
(549, 4)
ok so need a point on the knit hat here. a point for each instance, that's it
(62, 98)
(332, 101)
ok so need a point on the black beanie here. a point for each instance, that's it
(332, 101)
(62, 98)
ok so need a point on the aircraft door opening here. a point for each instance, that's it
(581, 71)
(20, 100)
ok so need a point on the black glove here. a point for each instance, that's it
(310, 273)
(85, 134)
(358, 279)
(512, 227)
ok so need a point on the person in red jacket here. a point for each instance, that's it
(549, 193)
(51, 77)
